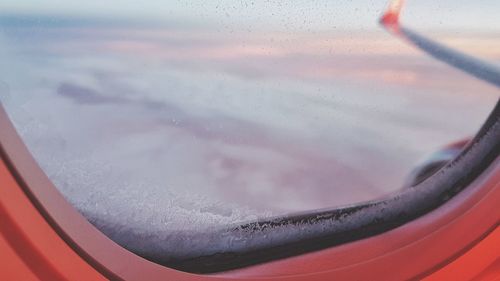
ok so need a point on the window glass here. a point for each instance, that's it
(181, 115)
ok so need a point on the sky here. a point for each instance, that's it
(298, 14)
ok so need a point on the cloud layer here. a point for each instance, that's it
(174, 129)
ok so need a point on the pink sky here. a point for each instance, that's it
(264, 122)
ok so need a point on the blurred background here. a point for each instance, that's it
(176, 115)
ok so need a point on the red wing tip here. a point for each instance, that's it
(389, 19)
(391, 16)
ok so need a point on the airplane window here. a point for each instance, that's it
(165, 118)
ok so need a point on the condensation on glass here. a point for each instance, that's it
(190, 115)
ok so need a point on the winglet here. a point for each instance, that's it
(390, 19)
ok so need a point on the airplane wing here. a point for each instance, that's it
(469, 64)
